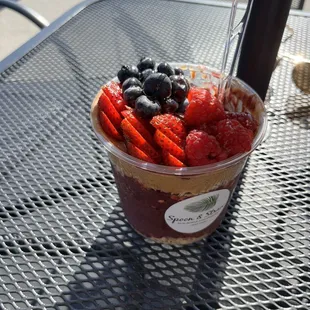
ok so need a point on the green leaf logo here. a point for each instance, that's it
(202, 205)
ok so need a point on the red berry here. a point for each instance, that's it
(196, 91)
(108, 127)
(233, 137)
(132, 135)
(168, 145)
(108, 108)
(201, 148)
(114, 93)
(210, 128)
(136, 152)
(199, 93)
(244, 118)
(126, 112)
(222, 156)
(141, 125)
(170, 160)
(175, 124)
(202, 108)
(162, 126)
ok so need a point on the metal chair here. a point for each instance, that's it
(32, 15)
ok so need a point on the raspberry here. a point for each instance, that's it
(210, 128)
(201, 148)
(202, 108)
(244, 118)
(233, 137)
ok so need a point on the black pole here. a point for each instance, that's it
(301, 4)
(261, 43)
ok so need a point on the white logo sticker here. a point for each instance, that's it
(196, 213)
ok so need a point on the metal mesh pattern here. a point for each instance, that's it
(297, 4)
(64, 242)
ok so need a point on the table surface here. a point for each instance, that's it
(64, 242)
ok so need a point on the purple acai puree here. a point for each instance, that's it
(145, 208)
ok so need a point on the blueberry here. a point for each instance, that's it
(131, 82)
(178, 71)
(146, 63)
(131, 94)
(145, 73)
(127, 72)
(180, 87)
(182, 106)
(158, 86)
(147, 108)
(170, 106)
(165, 68)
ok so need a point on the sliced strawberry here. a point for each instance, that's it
(175, 124)
(167, 132)
(170, 160)
(141, 125)
(114, 93)
(131, 134)
(143, 121)
(125, 113)
(108, 127)
(168, 145)
(136, 152)
(108, 108)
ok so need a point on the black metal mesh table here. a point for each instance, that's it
(64, 242)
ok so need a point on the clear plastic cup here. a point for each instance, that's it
(181, 205)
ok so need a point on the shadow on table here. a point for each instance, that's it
(288, 264)
(122, 270)
(297, 110)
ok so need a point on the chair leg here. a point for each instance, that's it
(35, 17)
